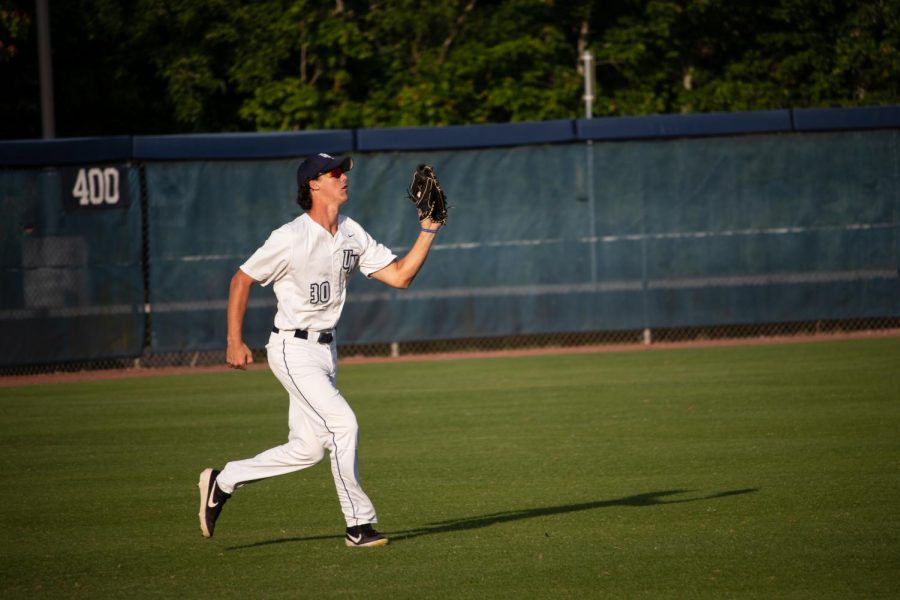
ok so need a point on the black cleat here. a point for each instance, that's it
(364, 535)
(212, 499)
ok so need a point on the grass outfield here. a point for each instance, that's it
(741, 472)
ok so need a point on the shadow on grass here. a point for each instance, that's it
(464, 524)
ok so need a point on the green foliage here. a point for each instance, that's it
(716, 55)
(161, 66)
(14, 25)
(404, 63)
(299, 64)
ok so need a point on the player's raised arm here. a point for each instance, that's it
(400, 273)
(426, 194)
(238, 355)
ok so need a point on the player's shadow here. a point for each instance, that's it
(648, 499)
(464, 524)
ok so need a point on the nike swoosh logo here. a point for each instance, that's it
(210, 502)
(356, 539)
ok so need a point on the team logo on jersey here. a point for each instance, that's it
(350, 261)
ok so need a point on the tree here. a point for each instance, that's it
(14, 26)
(182, 66)
(403, 63)
(717, 55)
(465, 63)
(18, 72)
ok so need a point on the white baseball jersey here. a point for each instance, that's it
(310, 269)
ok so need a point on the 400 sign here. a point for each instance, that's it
(95, 187)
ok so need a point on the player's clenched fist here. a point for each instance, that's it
(238, 356)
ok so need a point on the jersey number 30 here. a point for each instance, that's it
(319, 293)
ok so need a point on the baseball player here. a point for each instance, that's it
(308, 262)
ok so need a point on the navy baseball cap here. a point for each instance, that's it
(315, 165)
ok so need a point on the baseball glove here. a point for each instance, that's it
(425, 192)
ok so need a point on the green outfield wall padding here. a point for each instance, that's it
(71, 280)
(558, 238)
(547, 238)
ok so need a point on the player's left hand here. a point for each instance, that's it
(427, 223)
(426, 194)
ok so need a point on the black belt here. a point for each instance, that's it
(324, 338)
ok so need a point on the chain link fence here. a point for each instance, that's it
(771, 332)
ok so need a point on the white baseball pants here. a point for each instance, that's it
(320, 419)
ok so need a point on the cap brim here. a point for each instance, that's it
(344, 162)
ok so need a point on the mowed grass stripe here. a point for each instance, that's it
(764, 471)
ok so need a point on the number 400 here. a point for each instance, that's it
(97, 186)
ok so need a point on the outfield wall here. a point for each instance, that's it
(116, 247)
